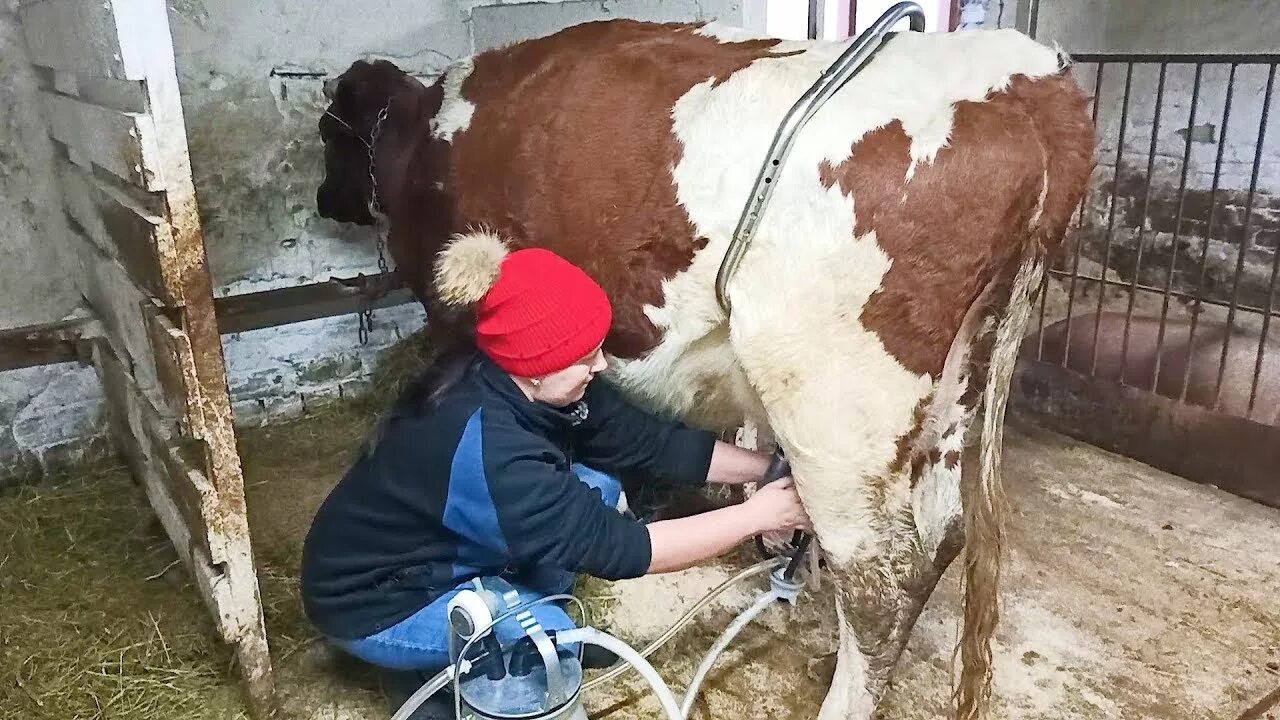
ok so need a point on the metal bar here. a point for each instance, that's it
(1075, 267)
(284, 306)
(42, 344)
(1044, 295)
(1208, 235)
(1233, 453)
(1271, 286)
(1111, 213)
(1146, 214)
(1177, 228)
(1244, 236)
(1188, 58)
(1253, 309)
(828, 83)
(815, 8)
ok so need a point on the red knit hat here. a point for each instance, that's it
(536, 313)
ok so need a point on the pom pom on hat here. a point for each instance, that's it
(536, 313)
(469, 266)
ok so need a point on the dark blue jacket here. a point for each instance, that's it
(480, 484)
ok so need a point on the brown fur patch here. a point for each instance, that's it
(951, 459)
(965, 215)
(591, 175)
(906, 443)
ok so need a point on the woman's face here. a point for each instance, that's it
(567, 386)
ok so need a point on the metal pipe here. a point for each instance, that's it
(1075, 267)
(828, 83)
(1206, 58)
(1271, 286)
(1244, 235)
(1254, 309)
(1177, 228)
(1142, 227)
(1111, 216)
(1208, 234)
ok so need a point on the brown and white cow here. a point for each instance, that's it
(884, 294)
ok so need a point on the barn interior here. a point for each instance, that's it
(190, 358)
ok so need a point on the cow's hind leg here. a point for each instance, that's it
(844, 411)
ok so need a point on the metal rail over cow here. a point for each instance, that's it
(883, 300)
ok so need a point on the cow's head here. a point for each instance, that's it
(356, 98)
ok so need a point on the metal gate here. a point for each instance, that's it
(113, 109)
(1154, 335)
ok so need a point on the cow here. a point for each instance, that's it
(881, 301)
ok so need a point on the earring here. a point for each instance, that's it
(536, 382)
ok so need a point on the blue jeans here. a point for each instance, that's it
(421, 641)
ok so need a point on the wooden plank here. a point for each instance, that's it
(122, 143)
(120, 305)
(175, 367)
(128, 96)
(126, 411)
(121, 227)
(151, 450)
(77, 35)
(282, 306)
(1232, 453)
(43, 344)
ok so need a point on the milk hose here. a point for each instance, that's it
(634, 659)
(757, 569)
(433, 686)
(691, 693)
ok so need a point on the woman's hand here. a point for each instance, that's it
(684, 542)
(777, 507)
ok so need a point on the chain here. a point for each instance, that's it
(370, 295)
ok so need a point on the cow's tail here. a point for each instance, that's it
(983, 500)
(1058, 110)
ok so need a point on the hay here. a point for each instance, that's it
(397, 365)
(94, 620)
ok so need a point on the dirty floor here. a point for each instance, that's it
(1129, 594)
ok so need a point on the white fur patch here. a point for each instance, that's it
(455, 111)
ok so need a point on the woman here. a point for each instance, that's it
(502, 462)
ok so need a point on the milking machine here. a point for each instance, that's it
(539, 675)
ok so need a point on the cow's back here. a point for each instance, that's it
(630, 148)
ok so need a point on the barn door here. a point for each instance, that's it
(113, 109)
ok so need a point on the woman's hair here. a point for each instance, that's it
(443, 372)
(445, 368)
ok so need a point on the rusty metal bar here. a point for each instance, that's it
(284, 306)
(1275, 272)
(1177, 227)
(1075, 267)
(1172, 293)
(1187, 58)
(1111, 214)
(1244, 235)
(1213, 215)
(42, 344)
(1146, 214)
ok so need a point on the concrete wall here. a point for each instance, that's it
(1227, 26)
(48, 416)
